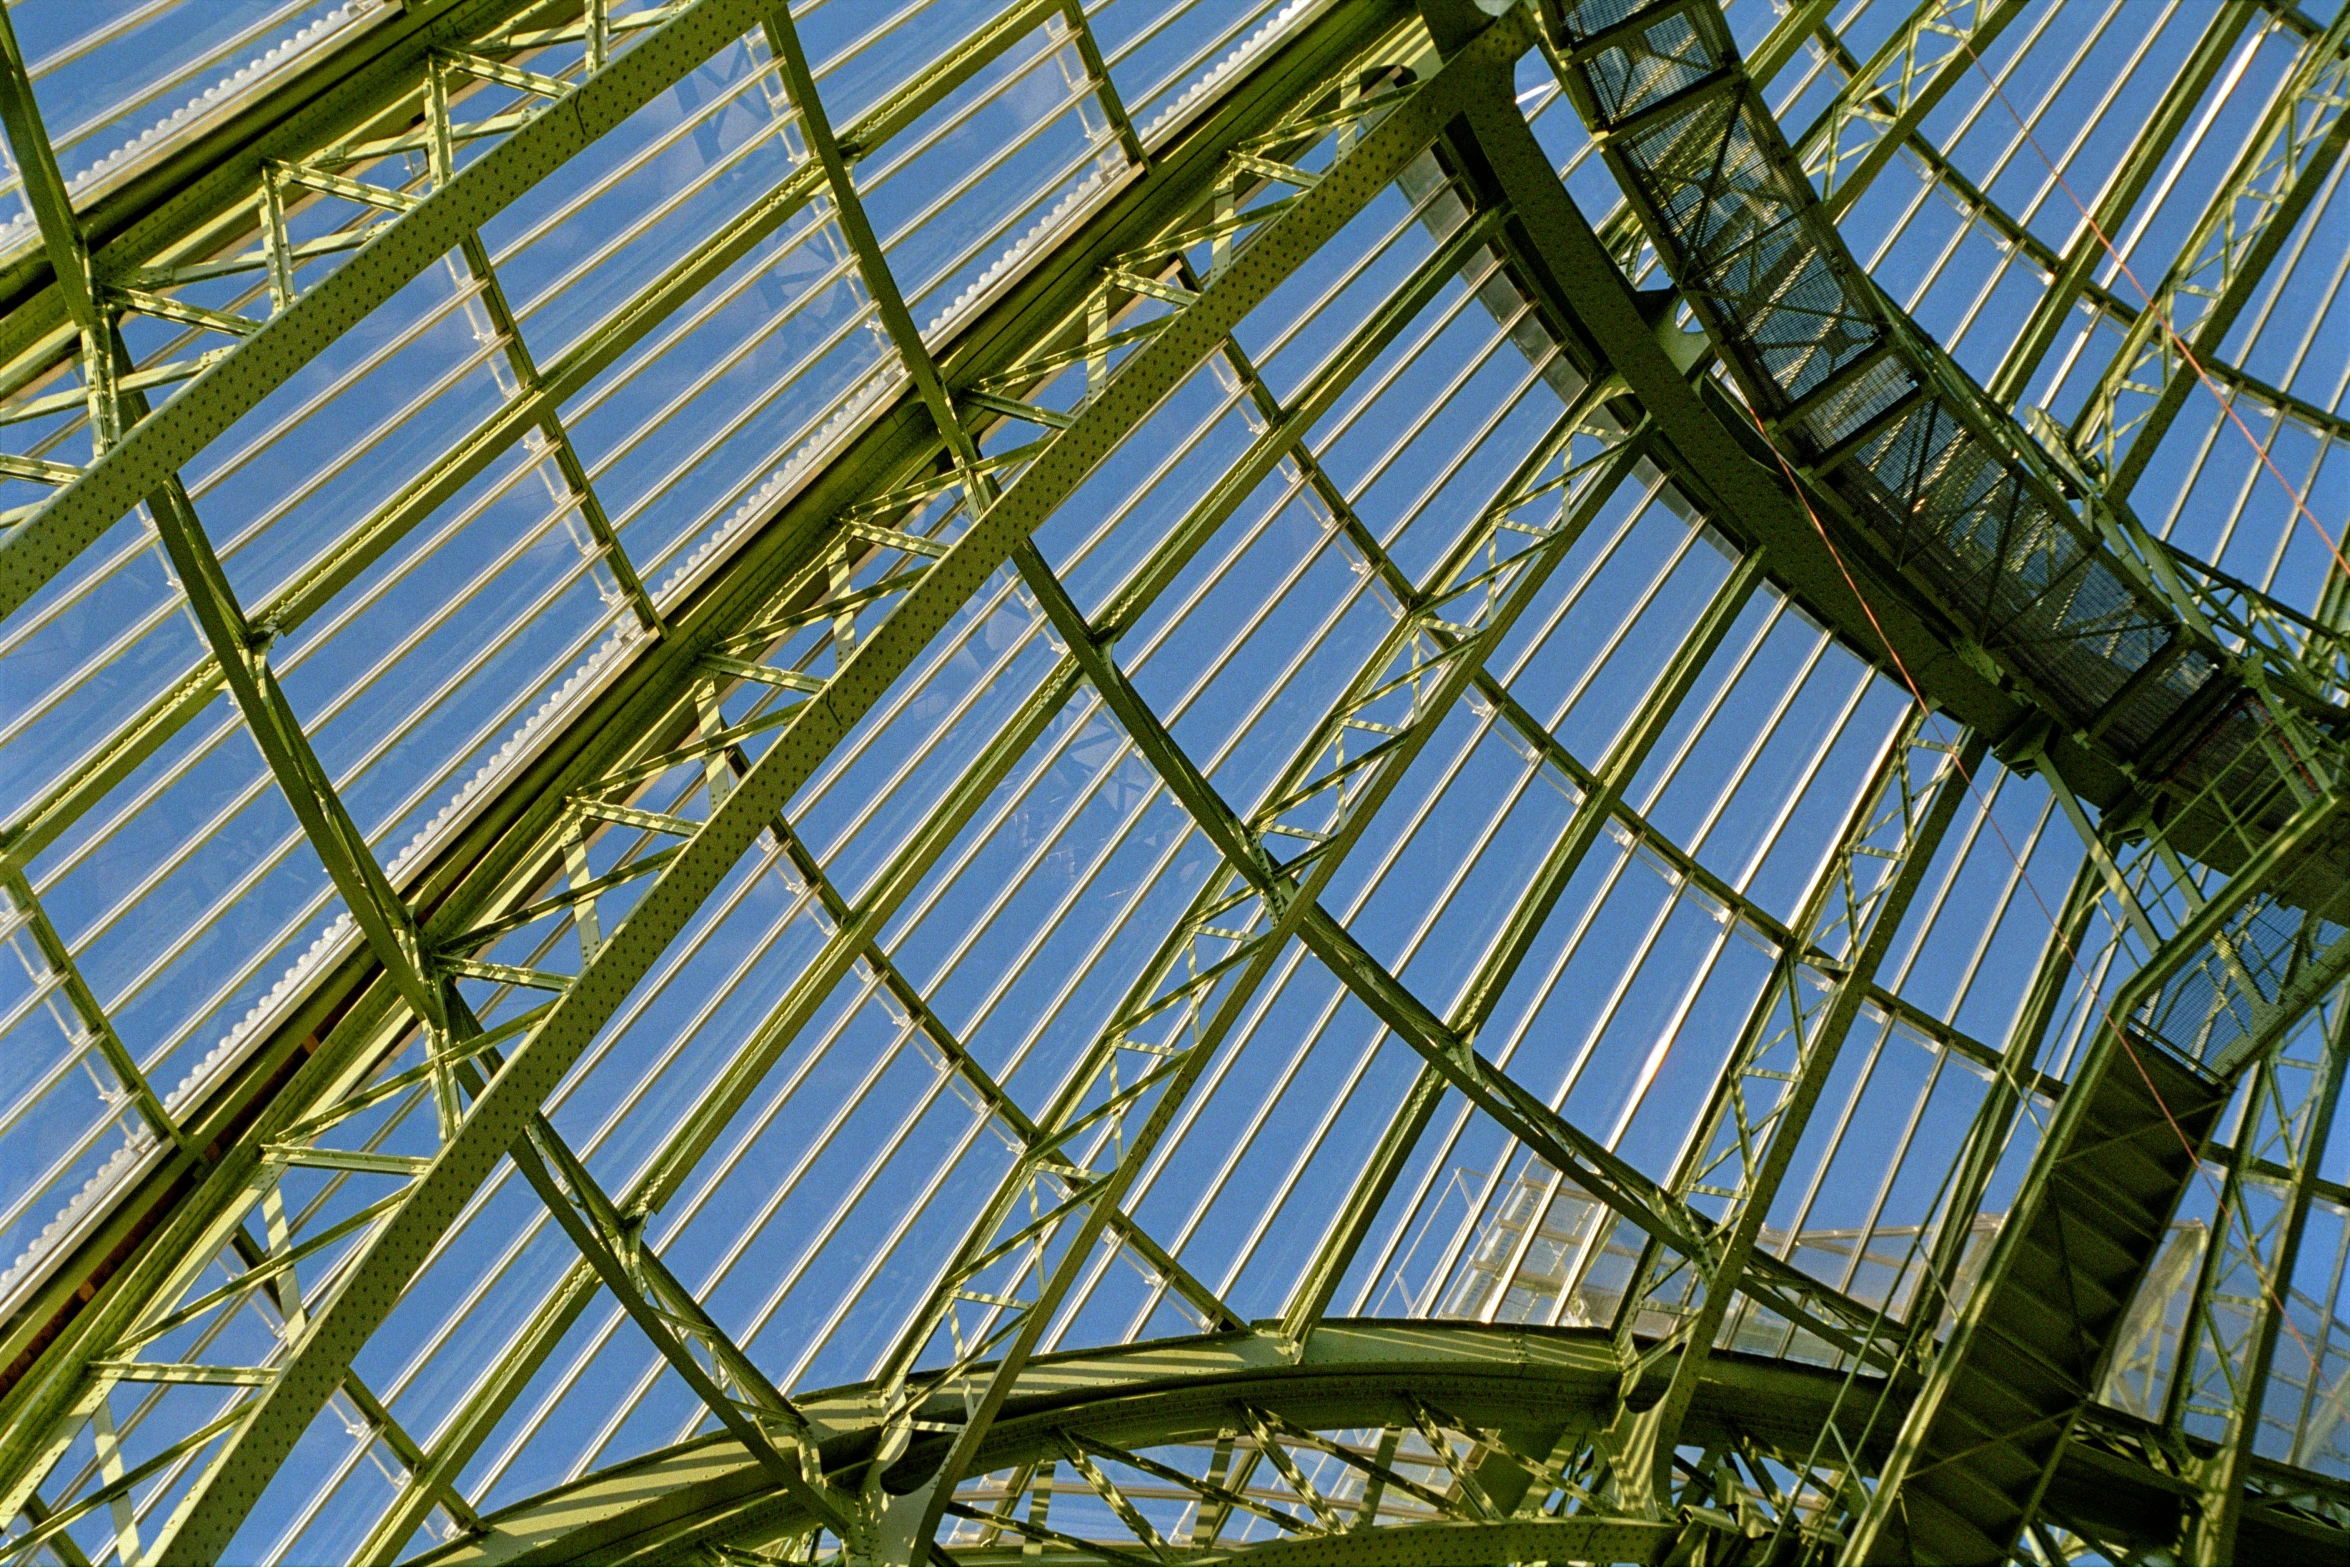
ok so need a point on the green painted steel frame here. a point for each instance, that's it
(1696, 434)
(1343, 1375)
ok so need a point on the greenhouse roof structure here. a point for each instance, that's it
(1174, 781)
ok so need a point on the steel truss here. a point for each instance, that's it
(1373, 1441)
(172, 1362)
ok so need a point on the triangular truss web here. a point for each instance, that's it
(1145, 782)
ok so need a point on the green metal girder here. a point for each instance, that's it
(1455, 1040)
(317, 586)
(1721, 100)
(300, 1383)
(2265, 858)
(1755, 504)
(1725, 467)
(470, 867)
(2071, 275)
(909, 1502)
(1766, 1090)
(2286, 162)
(198, 193)
(1881, 105)
(2231, 1341)
(1344, 1374)
(1568, 1149)
(127, 473)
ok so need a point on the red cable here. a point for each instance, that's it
(2227, 404)
(2194, 1152)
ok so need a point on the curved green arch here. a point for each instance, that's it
(1540, 1392)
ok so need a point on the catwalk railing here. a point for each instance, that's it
(2224, 710)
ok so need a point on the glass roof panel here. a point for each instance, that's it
(1396, 684)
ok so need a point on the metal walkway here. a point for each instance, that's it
(319, 1196)
(2229, 718)
(2228, 728)
(1983, 1441)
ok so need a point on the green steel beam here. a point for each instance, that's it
(1875, 111)
(1773, 1075)
(2079, 260)
(1851, 585)
(128, 472)
(23, 911)
(1658, 361)
(731, 1385)
(61, 239)
(699, 1127)
(2138, 587)
(1880, 106)
(1684, 865)
(1524, 1388)
(1663, 1217)
(350, 861)
(1105, 90)
(799, 81)
(1231, 930)
(1450, 1057)
(2016, 1084)
(554, 441)
(1978, 1355)
(292, 1390)
(314, 588)
(1450, 1048)
(61, 1301)
(1593, 812)
(2237, 1313)
(898, 322)
(2209, 941)
(239, 650)
(2075, 270)
(2261, 852)
(198, 195)
(44, 187)
(672, 1165)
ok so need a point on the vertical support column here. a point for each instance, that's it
(1774, 1076)
(2238, 1312)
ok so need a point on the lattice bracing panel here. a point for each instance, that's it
(1128, 781)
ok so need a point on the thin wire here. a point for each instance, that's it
(2227, 403)
(2104, 1008)
(2260, 451)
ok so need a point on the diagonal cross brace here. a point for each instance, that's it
(227, 1490)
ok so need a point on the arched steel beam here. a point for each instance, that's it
(1527, 1388)
(2110, 643)
(356, 114)
(1882, 427)
(293, 1386)
(59, 1324)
